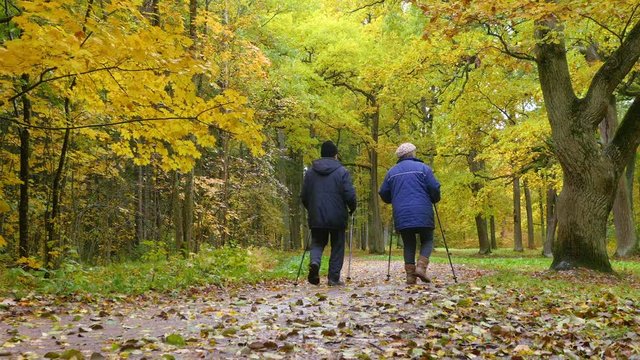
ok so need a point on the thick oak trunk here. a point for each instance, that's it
(590, 170)
(582, 222)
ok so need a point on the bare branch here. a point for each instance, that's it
(619, 36)
(505, 46)
(626, 26)
(129, 121)
(42, 80)
(278, 12)
(379, 2)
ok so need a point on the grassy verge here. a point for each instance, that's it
(529, 271)
(154, 273)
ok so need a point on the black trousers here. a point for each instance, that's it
(320, 239)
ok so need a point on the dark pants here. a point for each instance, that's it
(319, 239)
(409, 239)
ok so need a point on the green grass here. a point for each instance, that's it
(529, 272)
(152, 273)
(155, 272)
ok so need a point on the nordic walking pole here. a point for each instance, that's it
(306, 246)
(455, 278)
(389, 262)
(350, 246)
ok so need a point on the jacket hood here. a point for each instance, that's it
(325, 166)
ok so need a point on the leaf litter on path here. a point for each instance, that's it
(367, 318)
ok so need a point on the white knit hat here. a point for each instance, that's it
(404, 149)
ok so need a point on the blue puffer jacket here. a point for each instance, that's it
(411, 188)
(327, 191)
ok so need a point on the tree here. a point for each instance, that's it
(536, 32)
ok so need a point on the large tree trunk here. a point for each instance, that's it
(481, 227)
(517, 216)
(552, 222)
(590, 170)
(622, 211)
(531, 244)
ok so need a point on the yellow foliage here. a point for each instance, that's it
(30, 262)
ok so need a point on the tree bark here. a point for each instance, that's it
(140, 219)
(626, 239)
(187, 213)
(517, 216)
(481, 227)
(543, 234)
(476, 166)
(52, 216)
(552, 221)
(376, 240)
(176, 205)
(282, 176)
(590, 172)
(296, 218)
(529, 208)
(23, 206)
(492, 223)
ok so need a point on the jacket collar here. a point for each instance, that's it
(411, 158)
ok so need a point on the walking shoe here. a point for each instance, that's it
(410, 269)
(421, 269)
(336, 283)
(314, 274)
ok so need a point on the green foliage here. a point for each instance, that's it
(155, 272)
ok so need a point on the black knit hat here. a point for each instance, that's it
(328, 149)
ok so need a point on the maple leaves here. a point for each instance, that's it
(113, 79)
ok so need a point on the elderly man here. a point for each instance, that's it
(327, 194)
(412, 189)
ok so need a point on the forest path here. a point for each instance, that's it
(367, 317)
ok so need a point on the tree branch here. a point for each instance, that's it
(626, 26)
(134, 120)
(553, 70)
(42, 80)
(619, 36)
(379, 2)
(610, 75)
(626, 139)
(505, 47)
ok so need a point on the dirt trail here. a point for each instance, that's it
(367, 317)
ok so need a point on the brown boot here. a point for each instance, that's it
(410, 269)
(421, 268)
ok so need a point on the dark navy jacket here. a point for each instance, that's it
(411, 188)
(327, 191)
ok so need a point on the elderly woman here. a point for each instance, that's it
(412, 189)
